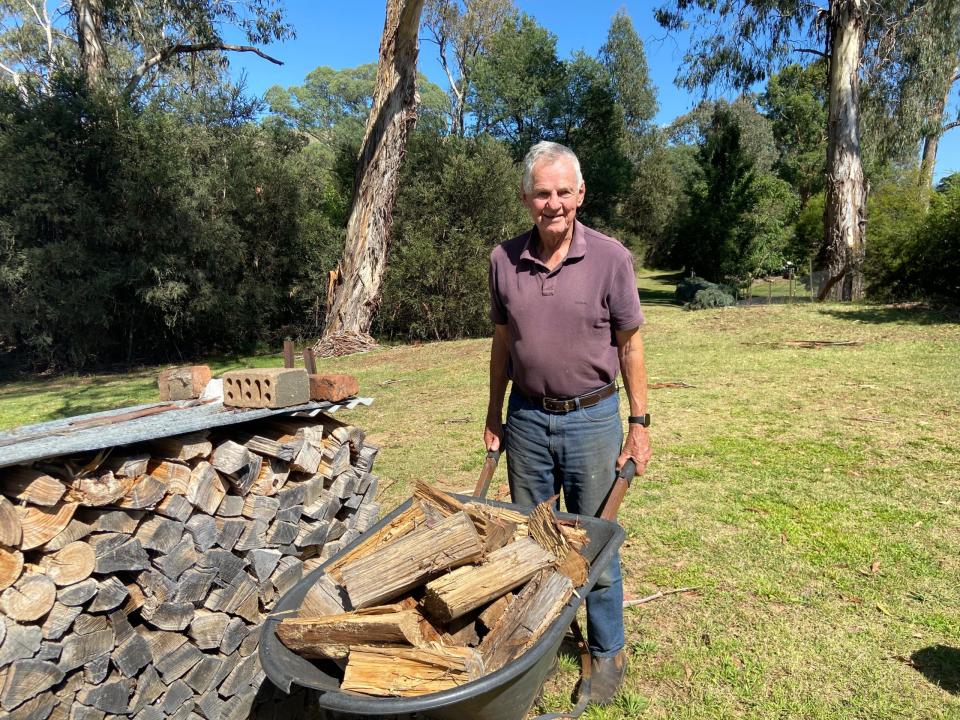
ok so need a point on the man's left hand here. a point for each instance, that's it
(636, 446)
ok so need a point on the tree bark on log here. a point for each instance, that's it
(88, 16)
(356, 295)
(841, 255)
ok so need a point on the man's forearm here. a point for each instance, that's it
(634, 370)
(499, 354)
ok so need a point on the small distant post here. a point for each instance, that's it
(288, 353)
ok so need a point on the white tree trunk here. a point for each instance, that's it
(393, 115)
(88, 16)
(845, 213)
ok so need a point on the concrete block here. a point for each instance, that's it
(333, 388)
(183, 383)
(266, 387)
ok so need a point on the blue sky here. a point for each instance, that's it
(346, 34)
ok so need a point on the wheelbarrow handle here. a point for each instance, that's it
(486, 473)
(619, 490)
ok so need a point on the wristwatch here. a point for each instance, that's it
(643, 420)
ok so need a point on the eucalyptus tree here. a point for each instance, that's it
(462, 30)
(742, 41)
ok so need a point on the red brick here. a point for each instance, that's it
(333, 388)
(183, 383)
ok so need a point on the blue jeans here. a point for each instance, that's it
(576, 452)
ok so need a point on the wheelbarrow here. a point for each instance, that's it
(506, 694)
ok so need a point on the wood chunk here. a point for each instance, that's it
(132, 655)
(112, 697)
(411, 561)
(95, 671)
(184, 448)
(131, 466)
(27, 678)
(465, 589)
(129, 556)
(267, 446)
(40, 525)
(183, 383)
(157, 588)
(207, 629)
(203, 676)
(288, 573)
(264, 562)
(33, 486)
(10, 530)
(20, 641)
(229, 532)
(41, 707)
(203, 528)
(159, 533)
(194, 585)
(331, 636)
(75, 530)
(178, 559)
(145, 493)
(308, 459)
(494, 611)
(408, 672)
(240, 676)
(49, 650)
(111, 520)
(230, 506)
(250, 644)
(149, 688)
(29, 599)
(544, 528)
(527, 618)
(244, 479)
(171, 616)
(273, 475)
(231, 458)
(404, 523)
(282, 533)
(70, 565)
(462, 632)
(97, 490)
(206, 488)
(122, 629)
(323, 598)
(58, 621)
(175, 507)
(177, 694)
(233, 634)
(111, 593)
(11, 567)
(79, 593)
(86, 624)
(260, 507)
(254, 536)
(80, 650)
(177, 663)
(292, 494)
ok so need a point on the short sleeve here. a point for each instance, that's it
(498, 312)
(624, 301)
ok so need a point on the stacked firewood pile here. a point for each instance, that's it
(134, 581)
(443, 594)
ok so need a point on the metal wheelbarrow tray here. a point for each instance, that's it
(507, 693)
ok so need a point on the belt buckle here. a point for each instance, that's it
(557, 405)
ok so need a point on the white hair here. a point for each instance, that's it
(550, 152)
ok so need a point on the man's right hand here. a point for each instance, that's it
(493, 435)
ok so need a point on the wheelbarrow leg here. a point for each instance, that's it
(583, 689)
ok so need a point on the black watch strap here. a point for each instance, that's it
(639, 420)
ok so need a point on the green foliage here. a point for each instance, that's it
(458, 199)
(913, 253)
(136, 235)
(712, 297)
(690, 288)
(807, 231)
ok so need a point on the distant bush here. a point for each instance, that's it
(711, 297)
(688, 289)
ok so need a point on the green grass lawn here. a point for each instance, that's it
(810, 494)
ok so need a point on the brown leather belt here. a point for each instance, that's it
(565, 405)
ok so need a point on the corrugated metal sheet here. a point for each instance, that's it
(124, 426)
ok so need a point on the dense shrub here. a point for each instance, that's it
(711, 297)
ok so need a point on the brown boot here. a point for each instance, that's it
(606, 674)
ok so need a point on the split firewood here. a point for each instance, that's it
(495, 531)
(408, 672)
(70, 565)
(323, 598)
(33, 486)
(263, 445)
(467, 588)
(79, 593)
(110, 519)
(526, 619)
(11, 565)
(30, 598)
(59, 620)
(404, 523)
(131, 466)
(175, 507)
(145, 493)
(207, 628)
(543, 528)
(159, 533)
(495, 610)
(175, 476)
(411, 560)
(39, 525)
(273, 474)
(231, 458)
(462, 632)
(75, 530)
(27, 678)
(189, 446)
(206, 488)
(104, 488)
(331, 636)
(10, 531)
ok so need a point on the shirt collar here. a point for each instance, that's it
(578, 245)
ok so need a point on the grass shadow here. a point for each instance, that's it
(657, 297)
(900, 314)
(940, 664)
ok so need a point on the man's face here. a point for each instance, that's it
(555, 197)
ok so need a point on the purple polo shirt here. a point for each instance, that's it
(561, 323)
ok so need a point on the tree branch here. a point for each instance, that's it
(950, 126)
(17, 81)
(811, 51)
(180, 49)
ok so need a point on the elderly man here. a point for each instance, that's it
(566, 313)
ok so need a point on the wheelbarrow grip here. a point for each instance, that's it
(619, 490)
(486, 473)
